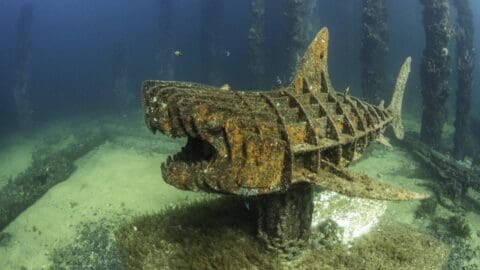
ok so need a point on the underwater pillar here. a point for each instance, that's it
(120, 79)
(296, 24)
(165, 47)
(210, 45)
(23, 59)
(465, 65)
(284, 219)
(435, 70)
(374, 49)
(256, 43)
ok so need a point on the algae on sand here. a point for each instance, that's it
(93, 248)
(108, 171)
(120, 177)
(219, 234)
(212, 234)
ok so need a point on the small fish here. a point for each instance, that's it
(278, 81)
(227, 53)
(247, 205)
(346, 92)
(225, 87)
(382, 104)
(178, 53)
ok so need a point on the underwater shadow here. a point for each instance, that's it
(221, 234)
(211, 234)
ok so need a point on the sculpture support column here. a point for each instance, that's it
(284, 219)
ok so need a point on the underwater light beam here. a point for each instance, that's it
(23, 59)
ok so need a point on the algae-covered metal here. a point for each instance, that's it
(253, 142)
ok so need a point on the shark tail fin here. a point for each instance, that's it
(312, 70)
(395, 106)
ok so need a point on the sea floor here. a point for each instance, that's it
(121, 179)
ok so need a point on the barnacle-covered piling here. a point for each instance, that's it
(210, 47)
(256, 42)
(165, 46)
(296, 24)
(374, 49)
(435, 70)
(120, 76)
(465, 66)
(23, 59)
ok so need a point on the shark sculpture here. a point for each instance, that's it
(272, 148)
(252, 142)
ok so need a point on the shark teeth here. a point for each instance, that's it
(191, 167)
(164, 170)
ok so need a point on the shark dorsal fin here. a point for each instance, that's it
(312, 72)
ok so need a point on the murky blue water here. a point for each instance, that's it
(74, 66)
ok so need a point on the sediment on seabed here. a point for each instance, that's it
(49, 167)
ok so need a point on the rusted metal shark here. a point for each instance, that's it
(253, 143)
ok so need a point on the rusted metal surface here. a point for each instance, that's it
(254, 142)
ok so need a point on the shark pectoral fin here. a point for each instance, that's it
(357, 185)
(382, 140)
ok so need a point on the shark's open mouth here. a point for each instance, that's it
(196, 156)
(196, 150)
